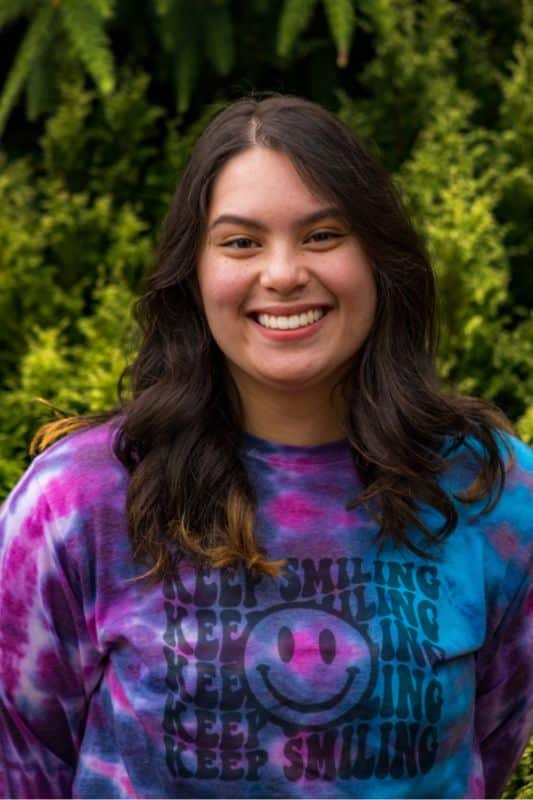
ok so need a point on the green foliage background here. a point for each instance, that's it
(101, 101)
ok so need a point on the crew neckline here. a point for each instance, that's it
(329, 452)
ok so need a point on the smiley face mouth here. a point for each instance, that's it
(307, 707)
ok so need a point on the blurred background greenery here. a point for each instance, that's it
(101, 101)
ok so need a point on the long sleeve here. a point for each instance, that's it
(48, 664)
(504, 670)
(504, 707)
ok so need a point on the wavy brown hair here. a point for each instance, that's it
(180, 430)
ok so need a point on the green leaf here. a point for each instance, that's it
(180, 33)
(40, 85)
(11, 9)
(163, 7)
(32, 45)
(187, 66)
(219, 37)
(105, 8)
(517, 106)
(83, 23)
(341, 18)
(185, 29)
(520, 785)
(178, 21)
(295, 18)
(66, 130)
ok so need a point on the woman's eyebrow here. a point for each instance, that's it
(308, 219)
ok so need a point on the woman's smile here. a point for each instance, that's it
(289, 319)
(291, 324)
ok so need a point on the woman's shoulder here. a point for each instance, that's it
(521, 452)
(89, 449)
(76, 472)
(500, 523)
(464, 461)
(506, 526)
(519, 477)
(513, 511)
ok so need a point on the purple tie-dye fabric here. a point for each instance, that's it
(358, 673)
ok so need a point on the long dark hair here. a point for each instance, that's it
(180, 431)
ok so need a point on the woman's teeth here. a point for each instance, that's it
(292, 322)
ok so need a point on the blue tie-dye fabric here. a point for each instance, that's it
(358, 673)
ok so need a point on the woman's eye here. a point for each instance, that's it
(324, 236)
(241, 243)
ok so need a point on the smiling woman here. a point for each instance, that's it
(287, 564)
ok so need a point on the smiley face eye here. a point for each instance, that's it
(327, 644)
(285, 644)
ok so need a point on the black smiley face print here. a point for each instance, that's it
(307, 666)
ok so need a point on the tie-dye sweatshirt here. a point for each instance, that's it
(359, 672)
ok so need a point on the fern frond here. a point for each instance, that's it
(40, 85)
(168, 23)
(181, 29)
(84, 27)
(11, 9)
(175, 23)
(187, 65)
(294, 19)
(341, 19)
(32, 45)
(218, 29)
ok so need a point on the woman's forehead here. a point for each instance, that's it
(264, 179)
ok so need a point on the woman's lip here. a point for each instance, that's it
(289, 334)
(288, 311)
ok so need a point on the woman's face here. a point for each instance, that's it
(287, 290)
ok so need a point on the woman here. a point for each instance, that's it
(287, 565)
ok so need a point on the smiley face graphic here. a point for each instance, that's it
(307, 666)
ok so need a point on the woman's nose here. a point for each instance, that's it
(284, 272)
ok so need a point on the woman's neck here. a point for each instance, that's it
(298, 420)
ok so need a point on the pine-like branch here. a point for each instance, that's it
(33, 44)
(84, 26)
(294, 19)
(341, 19)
